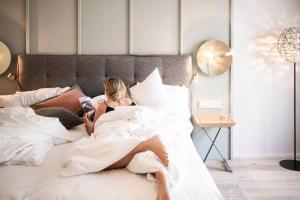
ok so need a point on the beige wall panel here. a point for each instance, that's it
(104, 27)
(12, 23)
(204, 20)
(12, 33)
(53, 26)
(154, 27)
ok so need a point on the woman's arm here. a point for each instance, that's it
(89, 125)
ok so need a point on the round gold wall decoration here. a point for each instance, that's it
(214, 57)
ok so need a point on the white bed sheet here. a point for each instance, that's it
(44, 182)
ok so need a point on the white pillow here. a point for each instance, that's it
(30, 97)
(150, 92)
(179, 100)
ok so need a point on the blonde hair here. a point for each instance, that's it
(114, 88)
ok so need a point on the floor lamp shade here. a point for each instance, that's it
(289, 48)
(5, 57)
(289, 44)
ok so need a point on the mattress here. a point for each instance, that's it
(44, 182)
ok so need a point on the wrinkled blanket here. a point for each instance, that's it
(118, 132)
(25, 137)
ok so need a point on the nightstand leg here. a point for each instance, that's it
(213, 142)
(227, 166)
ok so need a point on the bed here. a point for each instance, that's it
(44, 181)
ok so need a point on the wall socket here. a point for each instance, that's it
(214, 104)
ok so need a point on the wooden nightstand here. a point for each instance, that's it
(214, 121)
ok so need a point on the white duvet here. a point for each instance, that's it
(25, 137)
(44, 182)
(119, 132)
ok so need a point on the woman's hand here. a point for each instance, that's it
(89, 126)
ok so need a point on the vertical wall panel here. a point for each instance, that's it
(154, 27)
(204, 20)
(12, 33)
(13, 24)
(104, 27)
(53, 26)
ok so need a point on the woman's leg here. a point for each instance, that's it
(163, 192)
(124, 161)
(153, 144)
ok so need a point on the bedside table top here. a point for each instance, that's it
(211, 121)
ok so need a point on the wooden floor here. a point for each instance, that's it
(260, 179)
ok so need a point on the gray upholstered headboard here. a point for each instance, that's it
(90, 71)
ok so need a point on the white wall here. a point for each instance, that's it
(262, 82)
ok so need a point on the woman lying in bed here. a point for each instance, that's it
(117, 95)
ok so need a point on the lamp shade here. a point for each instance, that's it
(289, 44)
(5, 57)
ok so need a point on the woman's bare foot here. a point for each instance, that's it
(162, 186)
(155, 145)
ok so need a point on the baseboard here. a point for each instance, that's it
(265, 155)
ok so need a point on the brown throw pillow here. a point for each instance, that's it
(68, 100)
